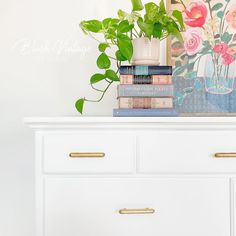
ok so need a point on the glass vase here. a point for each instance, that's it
(219, 78)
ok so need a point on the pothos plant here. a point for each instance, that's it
(117, 34)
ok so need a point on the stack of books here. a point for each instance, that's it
(145, 91)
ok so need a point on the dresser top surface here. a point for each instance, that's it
(70, 121)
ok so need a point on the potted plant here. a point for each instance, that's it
(132, 38)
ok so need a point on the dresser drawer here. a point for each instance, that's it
(88, 152)
(165, 207)
(187, 151)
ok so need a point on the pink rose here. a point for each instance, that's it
(221, 48)
(193, 41)
(195, 14)
(227, 59)
(230, 17)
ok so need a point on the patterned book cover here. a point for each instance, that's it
(144, 112)
(145, 103)
(145, 90)
(145, 70)
(146, 79)
(191, 98)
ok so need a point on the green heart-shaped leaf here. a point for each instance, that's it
(120, 57)
(80, 105)
(125, 27)
(125, 46)
(103, 61)
(111, 74)
(146, 28)
(178, 16)
(91, 25)
(97, 78)
(103, 46)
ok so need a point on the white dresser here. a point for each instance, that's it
(105, 176)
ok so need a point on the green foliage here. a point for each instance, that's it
(220, 14)
(162, 7)
(125, 27)
(110, 22)
(122, 14)
(132, 17)
(103, 61)
(226, 37)
(137, 5)
(178, 16)
(117, 34)
(119, 56)
(91, 25)
(103, 46)
(152, 11)
(80, 105)
(97, 78)
(217, 6)
(158, 24)
(125, 46)
(206, 47)
(146, 28)
(157, 30)
(171, 29)
(111, 74)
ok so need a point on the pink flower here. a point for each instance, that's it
(193, 41)
(195, 14)
(221, 48)
(231, 17)
(227, 59)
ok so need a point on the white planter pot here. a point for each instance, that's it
(146, 51)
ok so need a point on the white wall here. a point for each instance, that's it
(45, 63)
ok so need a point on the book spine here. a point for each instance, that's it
(145, 70)
(145, 103)
(146, 79)
(160, 71)
(145, 90)
(127, 70)
(144, 112)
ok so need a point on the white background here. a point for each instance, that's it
(45, 65)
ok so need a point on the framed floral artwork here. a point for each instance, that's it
(204, 62)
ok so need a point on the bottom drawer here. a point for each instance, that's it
(166, 207)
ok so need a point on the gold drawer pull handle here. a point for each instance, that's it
(87, 154)
(137, 211)
(225, 155)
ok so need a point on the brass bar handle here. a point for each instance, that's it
(137, 211)
(87, 154)
(225, 155)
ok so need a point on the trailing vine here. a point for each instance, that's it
(118, 34)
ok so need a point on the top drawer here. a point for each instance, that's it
(88, 152)
(187, 151)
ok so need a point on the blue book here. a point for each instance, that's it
(145, 70)
(145, 113)
(135, 90)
